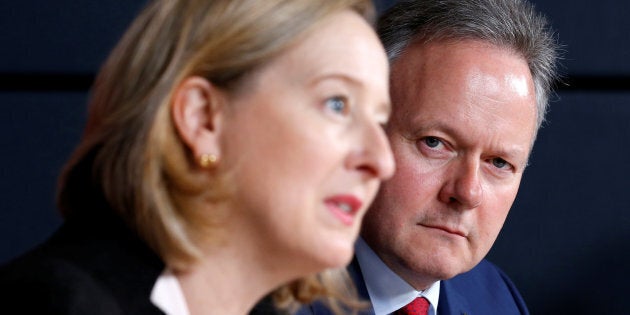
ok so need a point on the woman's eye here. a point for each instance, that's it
(432, 142)
(337, 104)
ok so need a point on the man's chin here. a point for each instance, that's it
(422, 273)
(444, 269)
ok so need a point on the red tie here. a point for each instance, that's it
(419, 306)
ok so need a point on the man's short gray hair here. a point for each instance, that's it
(512, 24)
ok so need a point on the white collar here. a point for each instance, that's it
(388, 291)
(168, 296)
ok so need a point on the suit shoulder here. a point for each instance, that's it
(37, 283)
(485, 285)
(485, 273)
(490, 275)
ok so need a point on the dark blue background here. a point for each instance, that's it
(566, 243)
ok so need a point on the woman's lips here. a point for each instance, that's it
(344, 207)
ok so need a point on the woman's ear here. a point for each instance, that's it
(197, 111)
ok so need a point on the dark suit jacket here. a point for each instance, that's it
(92, 265)
(484, 290)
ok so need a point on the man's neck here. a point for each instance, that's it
(387, 290)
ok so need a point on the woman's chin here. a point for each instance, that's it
(336, 257)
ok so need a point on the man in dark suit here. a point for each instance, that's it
(470, 81)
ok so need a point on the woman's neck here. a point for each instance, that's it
(232, 277)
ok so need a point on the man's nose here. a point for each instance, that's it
(463, 188)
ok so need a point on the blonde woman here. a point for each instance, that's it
(231, 149)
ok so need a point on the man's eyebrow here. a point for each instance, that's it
(418, 126)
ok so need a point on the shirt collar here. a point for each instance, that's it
(168, 296)
(388, 292)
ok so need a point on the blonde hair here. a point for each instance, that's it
(130, 156)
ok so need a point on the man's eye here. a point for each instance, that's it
(337, 104)
(500, 163)
(432, 142)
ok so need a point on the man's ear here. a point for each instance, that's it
(197, 111)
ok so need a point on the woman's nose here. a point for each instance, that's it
(373, 154)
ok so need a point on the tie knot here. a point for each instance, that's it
(419, 306)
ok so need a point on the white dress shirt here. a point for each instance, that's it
(388, 292)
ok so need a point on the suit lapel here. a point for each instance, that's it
(357, 277)
(451, 302)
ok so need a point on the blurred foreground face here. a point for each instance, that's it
(308, 146)
(463, 123)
